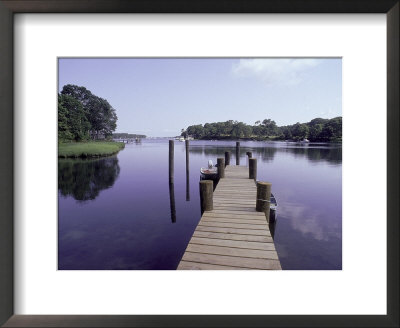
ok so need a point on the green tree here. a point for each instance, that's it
(64, 133)
(210, 130)
(315, 132)
(299, 131)
(318, 121)
(196, 131)
(73, 124)
(241, 130)
(327, 133)
(100, 114)
(270, 128)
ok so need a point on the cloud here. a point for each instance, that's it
(305, 220)
(275, 71)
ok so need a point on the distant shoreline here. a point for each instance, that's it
(265, 139)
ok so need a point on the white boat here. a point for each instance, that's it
(305, 140)
(272, 208)
(181, 139)
(209, 173)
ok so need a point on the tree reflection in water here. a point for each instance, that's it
(314, 152)
(83, 179)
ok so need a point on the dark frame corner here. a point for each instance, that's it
(7, 10)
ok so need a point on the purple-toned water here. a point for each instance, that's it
(121, 212)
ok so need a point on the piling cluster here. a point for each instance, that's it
(206, 187)
(263, 188)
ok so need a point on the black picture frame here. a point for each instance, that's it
(7, 10)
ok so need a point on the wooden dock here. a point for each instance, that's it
(233, 236)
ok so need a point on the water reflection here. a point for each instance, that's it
(267, 153)
(83, 179)
(119, 230)
(187, 185)
(272, 226)
(330, 155)
(172, 201)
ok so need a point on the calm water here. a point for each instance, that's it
(121, 212)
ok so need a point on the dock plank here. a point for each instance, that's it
(243, 262)
(234, 231)
(234, 216)
(218, 235)
(187, 265)
(234, 220)
(233, 243)
(231, 251)
(234, 225)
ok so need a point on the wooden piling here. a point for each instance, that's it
(263, 198)
(171, 161)
(206, 195)
(253, 168)
(187, 153)
(227, 158)
(187, 171)
(237, 153)
(221, 167)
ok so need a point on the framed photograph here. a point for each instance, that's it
(99, 198)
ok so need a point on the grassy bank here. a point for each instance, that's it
(89, 149)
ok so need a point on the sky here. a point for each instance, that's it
(160, 96)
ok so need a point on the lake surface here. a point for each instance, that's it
(121, 212)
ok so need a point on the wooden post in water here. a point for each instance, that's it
(221, 167)
(263, 198)
(187, 153)
(187, 171)
(237, 153)
(227, 158)
(171, 161)
(253, 168)
(206, 195)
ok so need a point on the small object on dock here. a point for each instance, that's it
(221, 167)
(206, 195)
(237, 153)
(253, 168)
(263, 198)
(171, 160)
(227, 158)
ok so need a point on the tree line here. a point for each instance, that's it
(318, 129)
(83, 115)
